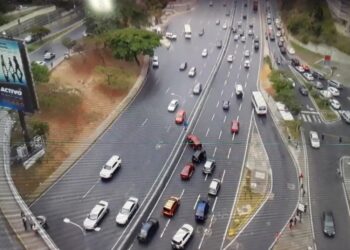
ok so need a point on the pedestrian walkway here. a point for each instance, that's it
(310, 117)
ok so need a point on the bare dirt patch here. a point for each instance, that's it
(69, 128)
(264, 79)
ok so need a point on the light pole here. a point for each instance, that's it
(68, 221)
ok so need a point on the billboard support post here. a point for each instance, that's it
(24, 130)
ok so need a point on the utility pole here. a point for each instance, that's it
(24, 130)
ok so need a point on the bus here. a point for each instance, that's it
(259, 103)
(187, 31)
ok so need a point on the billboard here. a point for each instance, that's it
(16, 83)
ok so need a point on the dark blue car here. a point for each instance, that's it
(202, 210)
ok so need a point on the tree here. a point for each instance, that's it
(128, 43)
(68, 43)
(40, 73)
(40, 128)
(39, 31)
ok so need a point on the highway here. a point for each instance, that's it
(144, 136)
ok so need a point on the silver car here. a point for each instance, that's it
(96, 214)
(214, 187)
(127, 211)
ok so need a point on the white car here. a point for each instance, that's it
(96, 214)
(127, 211)
(334, 91)
(335, 104)
(182, 236)
(217, 22)
(247, 64)
(204, 53)
(236, 37)
(326, 94)
(308, 76)
(49, 56)
(230, 58)
(314, 139)
(290, 50)
(192, 72)
(250, 32)
(246, 53)
(239, 89)
(41, 63)
(214, 187)
(243, 39)
(239, 24)
(300, 69)
(224, 26)
(155, 62)
(170, 36)
(173, 105)
(278, 33)
(114, 163)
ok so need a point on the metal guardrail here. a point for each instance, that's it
(178, 146)
(6, 154)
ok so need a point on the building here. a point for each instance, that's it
(340, 10)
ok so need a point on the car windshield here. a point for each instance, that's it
(93, 216)
(107, 167)
(125, 211)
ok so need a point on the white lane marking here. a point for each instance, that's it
(205, 64)
(157, 81)
(213, 117)
(225, 118)
(231, 66)
(228, 74)
(228, 154)
(166, 92)
(223, 175)
(90, 189)
(212, 210)
(220, 134)
(214, 151)
(225, 82)
(195, 204)
(233, 136)
(144, 122)
(206, 177)
(247, 74)
(237, 117)
(131, 246)
(236, 45)
(240, 66)
(222, 92)
(245, 85)
(202, 239)
(211, 221)
(168, 129)
(200, 72)
(217, 105)
(238, 75)
(182, 193)
(240, 107)
(207, 132)
(232, 93)
(166, 225)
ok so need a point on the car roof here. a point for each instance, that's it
(112, 160)
(97, 208)
(214, 183)
(170, 203)
(128, 204)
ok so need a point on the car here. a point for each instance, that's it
(197, 89)
(239, 24)
(192, 72)
(243, 39)
(224, 26)
(187, 171)
(246, 53)
(49, 56)
(269, 21)
(280, 44)
(256, 43)
(318, 75)
(318, 85)
(334, 91)
(170, 36)
(291, 81)
(272, 36)
(345, 115)
(283, 50)
(244, 17)
(335, 84)
(199, 156)
(29, 39)
(251, 25)
(239, 90)
(173, 105)
(241, 32)
(128, 210)
(278, 34)
(194, 142)
(236, 37)
(230, 58)
(111, 166)
(314, 139)
(180, 116)
(217, 22)
(308, 76)
(204, 53)
(201, 33)
(183, 66)
(300, 69)
(247, 64)
(303, 91)
(155, 62)
(290, 50)
(335, 104)
(306, 67)
(295, 62)
(148, 230)
(96, 215)
(227, 13)
(224, 4)
(234, 29)
(328, 224)
(182, 236)
(214, 187)
(226, 105)
(209, 166)
(234, 127)
(202, 210)
(250, 32)
(171, 206)
(245, 4)
(277, 59)
(218, 44)
(268, 15)
(326, 94)
(211, 3)
(41, 63)
(86, 33)
(281, 39)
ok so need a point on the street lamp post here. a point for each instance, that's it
(68, 221)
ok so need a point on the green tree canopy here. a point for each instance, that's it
(40, 73)
(39, 31)
(128, 43)
(68, 42)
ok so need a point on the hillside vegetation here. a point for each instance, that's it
(312, 21)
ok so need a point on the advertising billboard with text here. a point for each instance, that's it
(16, 84)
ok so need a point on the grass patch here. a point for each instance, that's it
(293, 128)
(117, 78)
(305, 54)
(267, 60)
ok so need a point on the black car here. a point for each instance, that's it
(295, 62)
(183, 66)
(283, 50)
(244, 16)
(226, 105)
(241, 32)
(278, 59)
(148, 230)
(199, 156)
(303, 90)
(280, 43)
(318, 75)
(219, 44)
(328, 224)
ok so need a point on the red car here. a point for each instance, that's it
(180, 116)
(194, 142)
(187, 171)
(306, 67)
(235, 126)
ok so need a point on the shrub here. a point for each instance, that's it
(40, 127)
(40, 73)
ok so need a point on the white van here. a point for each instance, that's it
(335, 83)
